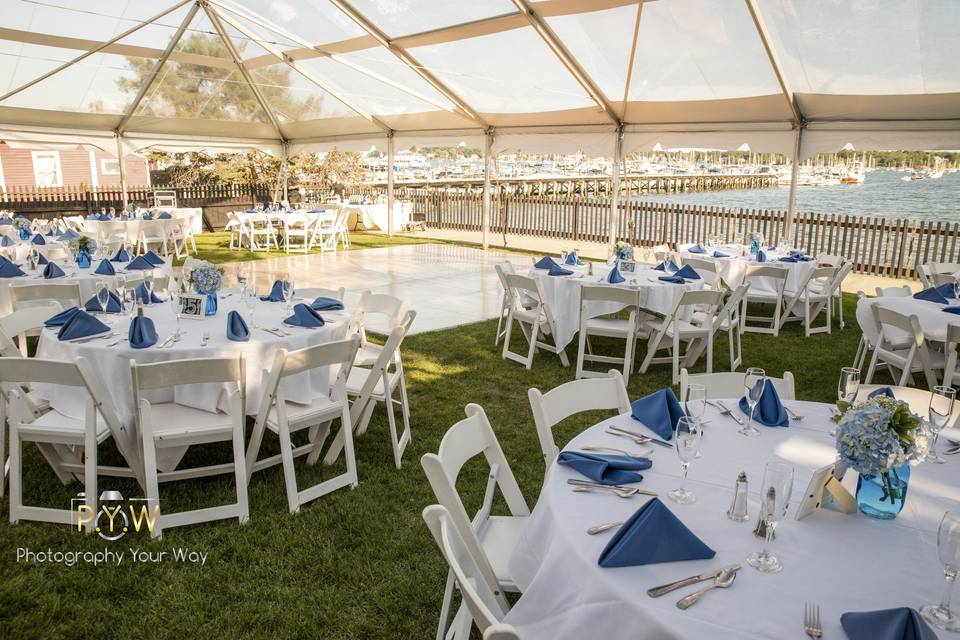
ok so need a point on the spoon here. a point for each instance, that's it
(724, 580)
(600, 528)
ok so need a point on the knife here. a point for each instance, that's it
(662, 443)
(727, 412)
(656, 592)
(597, 485)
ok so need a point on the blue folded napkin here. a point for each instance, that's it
(614, 276)
(148, 216)
(236, 328)
(769, 410)
(249, 210)
(653, 534)
(804, 258)
(720, 254)
(697, 248)
(153, 258)
(7, 241)
(52, 271)
(276, 292)
(605, 469)
(38, 239)
(105, 268)
(142, 333)
(788, 259)
(667, 265)
(557, 270)
(573, 259)
(940, 294)
(673, 279)
(80, 325)
(688, 273)
(113, 304)
(902, 623)
(142, 295)
(69, 234)
(51, 232)
(42, 260)
(140, 263)
(122, 255)
(881, 392)
(10, 270)
(61, 318)
(761, 256)
(6, 220)
(326, 304)
(955, 310)
(164, 216)
(660, 411)
(304, 316)
(545, 263)
(317, 211)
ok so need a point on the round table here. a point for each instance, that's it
(111, 358)
(563, 294)
(933, 319)
(734, 269)
(841, 562)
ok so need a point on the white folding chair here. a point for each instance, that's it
(944, 268)
(869, 334)
(766, 287)
(901, 346)
(261, 230)
(728, 320)
(489, 539)
(501, 632)
(558, 404)
(28, 321)
(285, 417)
(917, 399)
(297, 226)
(68, 444)
(950, 367)
(533, 322)
(237, 229)
(730, 385)
(925, 274)
(674, 329)
(938, 279)
(316, 292)
(480, 604)
(502, 270)
(607, 327)
(386, 313)
(67, 294)
(813, 296)
(903, 291)
(154, 232)
(707, 269)
(164, 425)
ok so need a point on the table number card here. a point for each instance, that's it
(825, 491)
(628, 266)
(191, 305)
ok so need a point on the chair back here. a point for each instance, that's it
(944, 268)
(706, 268)
(587, 394)
(29, 295)
(391, 308)
(830, 260)
(917, 399)
(943, 278)
(501, 632)
(607, 293)
(903, 291)
(730, 384)
(18, 324)
(896, 327)
(316, 292)
(162, 375)
(730, 310)
(388, 358)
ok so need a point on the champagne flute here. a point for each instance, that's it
(174, 297)
(948, 548)
(753, 381)
(250, 301)
(938, 413)
(956, 285)
(103, 298)
(774, 501)
(849, 384)
(686, 442)
(286, 287)
(695, 405)
(242, 281)
(148, 286)
(121, 287)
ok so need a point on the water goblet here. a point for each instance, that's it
(938, 414)
(286, 287)
(120, 285)
(695, 405)
(148, 286)
(686, 442)
(956, 285)
(948, 548)
(774, 501)
(250, 302)
(849, 384)
(103, 298)
(174, 298)
(753, 381)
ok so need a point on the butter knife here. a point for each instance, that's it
(728, 412)
(656, 592)
(662, 443)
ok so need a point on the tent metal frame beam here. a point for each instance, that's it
(364, 23)
(761, 26)
(306, 73)
(156, 68)
(631, 62)
(97, 49)
(218, 26)
(567, 59)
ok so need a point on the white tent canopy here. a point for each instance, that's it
(555, 75)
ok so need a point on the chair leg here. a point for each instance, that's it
(873, 366)
(289, 473)
(508, 331)
(90, 474)
(152, 488)
(445, 607)
(534, 330)
(16, 497)
(240, 471)
(581, 345)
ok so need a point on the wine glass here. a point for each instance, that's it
(849, 384)
(956, 285)
(774, 501)
(250, 302)
(753, 381)
(148, 286)
(948, 548)
(103, 297)
(286, 287)
(938, 413)
(686, 441)
(242, 281)
(695, 405)
(174, 297)
(121, 287)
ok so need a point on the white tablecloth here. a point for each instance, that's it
(113, 363)
(374, 216)
(842, 562)
(19, 251)
(733, 269)
(933, 319)
(193, 214)
(563, 294)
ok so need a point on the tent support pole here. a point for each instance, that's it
(390, 198)
(123, 171)
(615, 187)
(487, 195)
(285, 171)
(792, 198)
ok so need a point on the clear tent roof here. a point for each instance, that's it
(305, 71)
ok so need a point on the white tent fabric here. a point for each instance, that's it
(551, 75)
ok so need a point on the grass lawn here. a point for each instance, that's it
(356, 564)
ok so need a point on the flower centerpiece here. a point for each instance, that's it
(23, 227)
(206, 279)
(82, 249)
(623, 251)
(880, 438)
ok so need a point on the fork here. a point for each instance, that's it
(726, 411)
(811, 620)
(629, 454)
(621, 490)
(205, 338)
(793, 414)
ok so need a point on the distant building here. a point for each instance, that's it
(67, 168)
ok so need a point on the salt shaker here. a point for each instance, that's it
(590, 266)
(738, 508)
